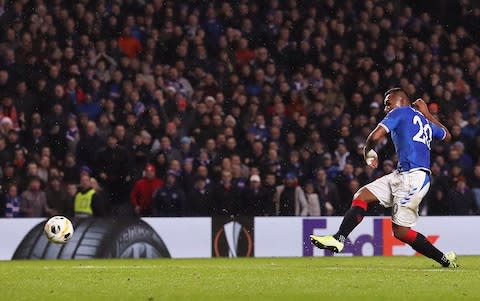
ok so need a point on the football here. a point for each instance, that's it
(58, 229)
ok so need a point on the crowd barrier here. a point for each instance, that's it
(225, 237)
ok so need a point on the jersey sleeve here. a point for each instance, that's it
(438, 132)
(391, 121)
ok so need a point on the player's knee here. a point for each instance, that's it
(404, 234)
(399, 234)
(358, 202)
(365, 195)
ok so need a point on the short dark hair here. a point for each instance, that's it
(395, 90)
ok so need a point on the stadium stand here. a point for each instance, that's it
(234, 105)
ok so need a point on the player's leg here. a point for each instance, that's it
(373, 192)
(420, 244)
(408, 195)
(355, 214)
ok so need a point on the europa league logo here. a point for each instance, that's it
(232, 238)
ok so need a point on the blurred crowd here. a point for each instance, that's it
(201, 108)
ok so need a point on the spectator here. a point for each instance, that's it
(6, 155)
(8, 110)
(113, 168)
(341, 154)
(36, 140)
(386, 167)
(58, 199)
(187, 175)
(104, 126)
(332, 170)
(161, 164)
(25, 100)
(313, 203)
(6, 125)
(33, 201)
(143, 190)
(72, 190)
(238, 180)
(461, 199)
(436, 198)
(343, 180)
(55, 129)
(475, 184)
(294, 165)
(72, 134)
(356, 157)
(170, 152)
(86, 202)
(88, 145)
(244, 54)
(270, 189)
(103, 208)
(256, 200)
(186, 150)
(290, 198)
(327, 192)
(10, 177)
(12, 202)
(200, 199)
(19, 159)
(169, 200)
(226, 196)
(70, 169)
(129, 45)
(140, 151)
(43, 168)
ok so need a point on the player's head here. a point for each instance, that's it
(394, 98)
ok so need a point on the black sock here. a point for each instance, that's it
(424, 247)
(352, 218)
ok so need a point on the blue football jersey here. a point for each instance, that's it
(411, 134)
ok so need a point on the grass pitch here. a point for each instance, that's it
(320, 278)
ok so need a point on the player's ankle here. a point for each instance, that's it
(444, 261)
(341, 238)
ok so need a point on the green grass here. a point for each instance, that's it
(320, 278)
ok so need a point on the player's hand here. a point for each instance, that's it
(371, 158)
(421, 106)
(372, 162)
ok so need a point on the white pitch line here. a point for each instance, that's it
(121, 267)
(262, 267)
(389, 269)
(62, 267)
(319, 268)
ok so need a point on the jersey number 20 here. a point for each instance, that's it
(424, 134)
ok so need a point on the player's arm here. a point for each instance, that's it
(373, 138)
(389, 123)
(420, 105)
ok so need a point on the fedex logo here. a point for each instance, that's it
(382, 239)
